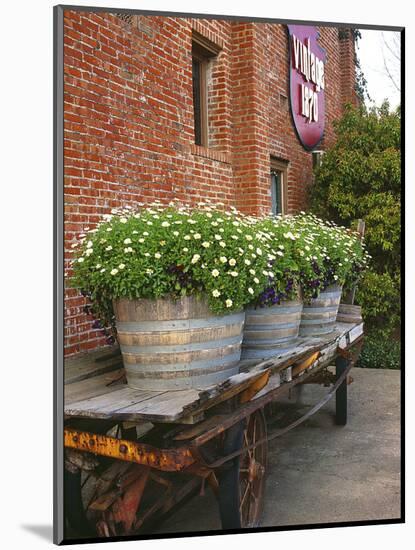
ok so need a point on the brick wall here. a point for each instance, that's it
(128, 121)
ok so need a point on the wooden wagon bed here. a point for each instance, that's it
(95, 385)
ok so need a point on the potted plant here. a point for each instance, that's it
(174, 281)
(337, 257)
(273, 317)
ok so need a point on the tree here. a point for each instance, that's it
(391, 52)
(360, 177)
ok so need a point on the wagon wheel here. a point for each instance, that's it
(242, 480)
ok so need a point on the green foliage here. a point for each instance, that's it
(171, 252)
(230, 259)
(361, 82)
(360, 177)
(379, 294)
(379, 352)
(339, 256)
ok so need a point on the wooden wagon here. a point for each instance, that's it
(132, 455)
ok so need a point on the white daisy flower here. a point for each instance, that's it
(197, 236)
(157, 255)
(232, 262)
(222, 244)
(205, 244)
(121, 266)
(215, 273)
(108, 248)
(229, 303)
(114, 271)
(165, 224)
(80, 260)
(250, 290)
(215, 293)
(256, 280)
(127, 241)
(122, 220)
(195, 259)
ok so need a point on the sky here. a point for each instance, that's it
(373, 52)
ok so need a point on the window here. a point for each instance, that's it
(317, 158)
(278, 186)
(203, 51)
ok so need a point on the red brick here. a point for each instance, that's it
(128, 126)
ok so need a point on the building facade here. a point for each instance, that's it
(162, 107)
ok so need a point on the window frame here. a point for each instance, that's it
(203, 51)
(280, 166)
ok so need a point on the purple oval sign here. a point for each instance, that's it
(307, 84)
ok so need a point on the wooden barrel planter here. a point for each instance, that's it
(349, 313)
(319, 314)
(174, 345)
(271, 330)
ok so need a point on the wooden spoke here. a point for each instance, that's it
(252, 467)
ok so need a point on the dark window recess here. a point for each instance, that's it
(197, 112)
(276, 192)
(204, 53)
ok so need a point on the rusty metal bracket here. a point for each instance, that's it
(169, 460)
(255, 387)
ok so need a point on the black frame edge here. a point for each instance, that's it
(58, 248)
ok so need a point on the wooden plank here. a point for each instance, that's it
(351, 335)
(88, 365)
(107, 405)
(165, 407)
(93, 398)
(92, 387)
